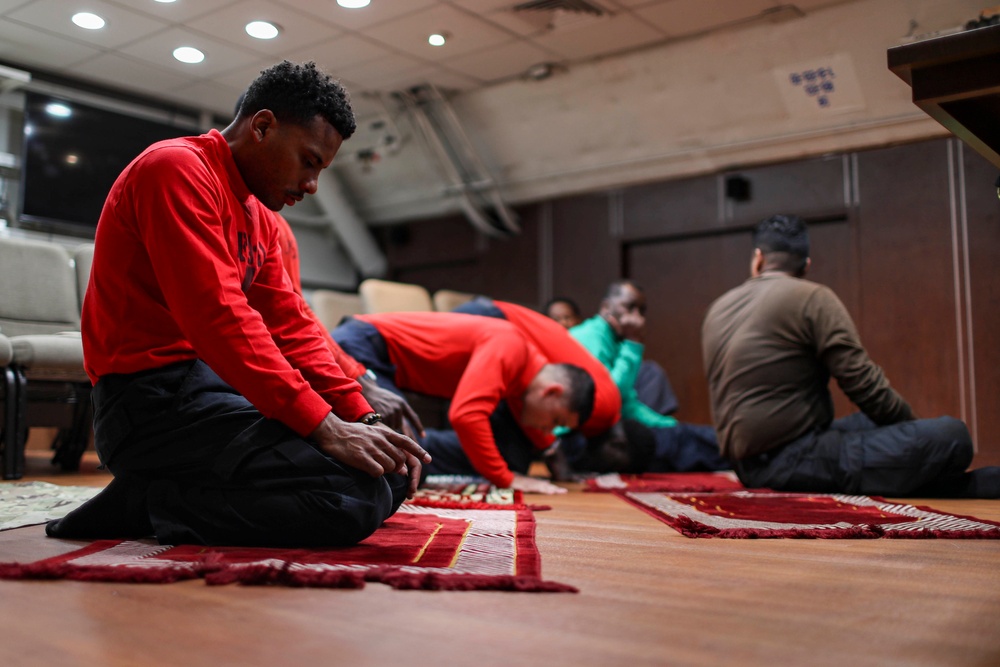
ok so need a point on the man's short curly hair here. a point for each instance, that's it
(298, 93)
(784, 241)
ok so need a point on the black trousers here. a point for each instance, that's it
(923, 457)
(215, 471)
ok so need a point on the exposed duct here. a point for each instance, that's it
(355, 236)
(469, 181)
(11, 79)
(573, 6)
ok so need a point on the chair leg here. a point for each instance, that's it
(72, 442)
(8, 428)
(16, 402)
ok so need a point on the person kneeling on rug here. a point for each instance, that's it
(770, 347)
(218, 405)
(506, 397)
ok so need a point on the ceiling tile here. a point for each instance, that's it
(129, 73)
(382, 74)
(592, 38)
(379, 11)
(173, 12)
(219, 57)
(21, 44)
(123, 26)
(229, 24)
(500, 62)
(342, 51)
(210, 94)
(467, 33)
(241, 77)
(678, 18)
(7, 5)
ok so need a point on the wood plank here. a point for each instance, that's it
(648, 596)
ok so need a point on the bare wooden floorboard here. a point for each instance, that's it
(648, 596)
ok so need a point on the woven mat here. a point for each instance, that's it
(766, 514)
(667, 481)
(464, 491)
(418, 548)
(31, 503)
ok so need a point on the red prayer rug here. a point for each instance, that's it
(763, 514)
(706, 482)
(419, 547)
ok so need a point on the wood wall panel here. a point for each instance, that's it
(672, 207)
(450, 254)
(907, 316)
(808, 188)
(586, 258)
(681, 279)
(429, 242)
(983, 220)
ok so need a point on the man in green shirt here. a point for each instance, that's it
(615, 336)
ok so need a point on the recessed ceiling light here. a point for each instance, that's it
(166, 2)
(438, 39)
(58, 109)
(188, 54)
(353, 4)
(262, 30)
(88, 21)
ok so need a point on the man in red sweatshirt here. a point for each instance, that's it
(218, 405)
(477, 362)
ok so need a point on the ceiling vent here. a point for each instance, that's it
(578, 6)
(560, 14)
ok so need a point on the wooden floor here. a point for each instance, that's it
(648, 596)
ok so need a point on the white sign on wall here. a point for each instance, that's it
(820, 87)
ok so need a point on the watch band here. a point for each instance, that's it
(371, 418)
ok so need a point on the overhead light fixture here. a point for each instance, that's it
(539, 71)
(88, 21)
(262, 30)
(438, 39)
(58, 109)
(189, 55)
(353, 4)
(166, 2)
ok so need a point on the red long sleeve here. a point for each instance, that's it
(186, 266)
(555, 343)
(475, 361)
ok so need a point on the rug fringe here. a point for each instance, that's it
(264, 574)
(50, 571)
(470, 505)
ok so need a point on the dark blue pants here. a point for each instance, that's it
(924, 457)
(653, 388)
(450, 459)
(213, 470)
(686, 448)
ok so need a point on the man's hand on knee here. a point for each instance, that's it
(375, 449)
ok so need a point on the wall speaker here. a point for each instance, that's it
(737, 188)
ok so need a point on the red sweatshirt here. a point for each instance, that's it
(290, 259)
(187, 266)
(559, 347)
(475, 361)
